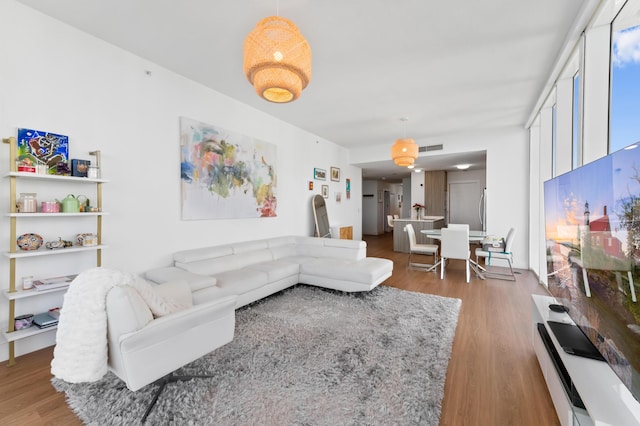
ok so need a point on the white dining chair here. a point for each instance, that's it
(505, 255)
(422, 249)
(455, 245)
(390, 221)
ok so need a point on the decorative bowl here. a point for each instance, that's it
(29, 242)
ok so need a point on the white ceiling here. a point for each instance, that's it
(450, 67)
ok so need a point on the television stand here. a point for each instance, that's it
(605, 399)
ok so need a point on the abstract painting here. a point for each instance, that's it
(225, 174)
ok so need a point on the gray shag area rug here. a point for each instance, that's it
(305, 356)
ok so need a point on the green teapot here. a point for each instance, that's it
(70, 204)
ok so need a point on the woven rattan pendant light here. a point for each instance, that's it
(277, 60)
(405, 151)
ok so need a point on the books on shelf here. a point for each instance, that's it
(44, 320)
(55, 282)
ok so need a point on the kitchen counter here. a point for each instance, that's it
(423, 219)
(400, 238)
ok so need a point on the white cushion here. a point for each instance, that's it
(249, 246)
(126, 310)
(284, 250)
(158, 305)
(208, 294)
(240, 281)
(178, 291)
(171, 273)
(277, 269)
(204, 253)
(364, 271)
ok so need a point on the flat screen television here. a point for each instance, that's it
(592, 227)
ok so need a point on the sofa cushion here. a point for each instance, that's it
(208, 294)
(205, 253)
(126, 310)
(239, 281)
(171, 273)
(299, 259)
(216, 265)
(249, 246)
(365, 271)
(178, 291)
(284, 250)
(332, 248)
(277, 269)
(159, 305)
(281, 241)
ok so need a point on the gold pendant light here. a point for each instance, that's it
(405, 151)
(277, 60)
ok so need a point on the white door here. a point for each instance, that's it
(464, 198)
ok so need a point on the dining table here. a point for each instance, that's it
(474, 237)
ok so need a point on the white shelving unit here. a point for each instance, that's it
(13, 294)
(46, 252)
(607, 401)
(27, 332)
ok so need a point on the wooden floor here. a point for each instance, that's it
(493, 376)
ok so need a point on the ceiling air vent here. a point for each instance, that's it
(430, 148)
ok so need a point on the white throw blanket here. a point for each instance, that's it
(81, 351)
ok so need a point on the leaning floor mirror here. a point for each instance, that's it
(320, 217)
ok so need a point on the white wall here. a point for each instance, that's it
(56, 78)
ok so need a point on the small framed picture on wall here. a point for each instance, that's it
(335, 174)
(325, 191)
(319, 174)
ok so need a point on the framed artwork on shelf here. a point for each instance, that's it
(335, 174)
(325, 191)
(319, 174)
(80, 168)
(38, 147)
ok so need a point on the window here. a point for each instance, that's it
(554, 145)
(624, 129)
(575, 142)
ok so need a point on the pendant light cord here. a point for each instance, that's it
(404, 126)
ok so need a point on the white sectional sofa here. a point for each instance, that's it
(255, 269)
